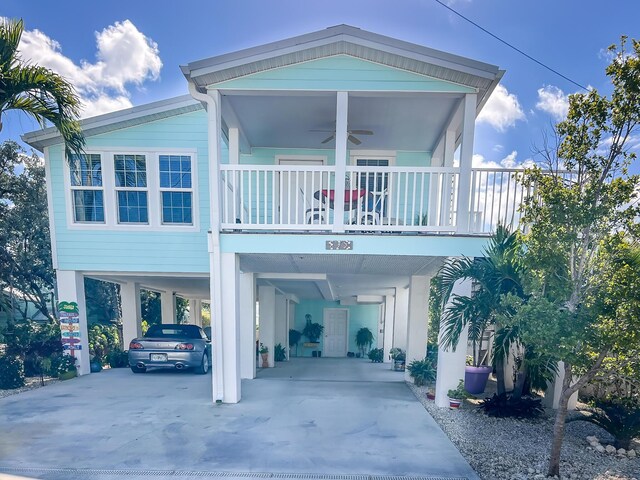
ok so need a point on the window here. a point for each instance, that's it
(87, 194)
(176, 189)
(131, 188)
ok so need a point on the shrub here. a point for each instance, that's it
(619, 416)
(376, 355)
(102, 340)
(422, 371)
(364, 339)
(294, 337)
(118, 358)
(33, 342)
(11, 372)
(505, 405)
(458, 393)
(279, 353)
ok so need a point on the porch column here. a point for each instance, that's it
(247, 325)
(230, 271)
(168, 307)
(554, 390)
(195, 312)
(389, 316)
(401, 317)
(267, 331)
(451, 361)
(70, 285)
(131, 313)
(418, 320)
(342, 110)
(466, 156)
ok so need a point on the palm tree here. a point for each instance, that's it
(37, 91)
(496, 274)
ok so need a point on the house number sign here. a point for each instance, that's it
(339, 245)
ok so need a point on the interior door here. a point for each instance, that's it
(336, 323)
(295, 191)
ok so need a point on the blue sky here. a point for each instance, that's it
(122, 53)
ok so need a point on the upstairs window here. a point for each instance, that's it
(176, 189)
(131, 188)
(87, 193)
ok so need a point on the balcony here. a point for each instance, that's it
(286, 198)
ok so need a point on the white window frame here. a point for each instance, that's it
(71, 214)
(390, 156)
(153, 199)
(180, 190)
(118, 189)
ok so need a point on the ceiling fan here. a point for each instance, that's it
(351, 135)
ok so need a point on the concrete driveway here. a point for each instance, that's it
(318, 418)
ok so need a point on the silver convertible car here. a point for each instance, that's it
(173, 346)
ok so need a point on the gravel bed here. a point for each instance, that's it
(30, 383)
(506, 448)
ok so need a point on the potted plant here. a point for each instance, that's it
(399, 358)
(431, 393)
(422, 372)
(95, 365)
(457, 395)
(264, 353)
(312, 331)
(364, 340)
(294, 338)
(376, 355)
(279, 353)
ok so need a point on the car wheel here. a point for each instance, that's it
(204, 365)
(135, 369)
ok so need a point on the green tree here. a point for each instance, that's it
(103, 301)
(25, 248)
(37, 91)
(583, 305)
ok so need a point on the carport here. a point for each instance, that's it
(311, 418)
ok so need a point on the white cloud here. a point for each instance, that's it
(502, 110)
(510, 162)
(124, 57)
(553, 101)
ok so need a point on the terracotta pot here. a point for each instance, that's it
(265, 360)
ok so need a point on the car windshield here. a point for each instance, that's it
(183, 331)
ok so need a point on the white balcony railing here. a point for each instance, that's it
(395, 199)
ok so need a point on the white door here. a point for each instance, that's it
(336, 324)
(295, 190)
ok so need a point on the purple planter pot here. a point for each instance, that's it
(475, 379)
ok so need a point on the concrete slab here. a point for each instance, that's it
(310, 418)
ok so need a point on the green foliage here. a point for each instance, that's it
(150, 307)
(458, 393)
(397, 354)
(63, 364)
(422, 371)
(11, 372)
(279, 353)
(25, 249)
(263, 349)
(312, 331)
(364, 340)
(182, 307)
(102, 340)
(620, 417)
(117, 358)
(103, 300)
(435, 311)
(35, 343)
(506, 405)
(294, 337)
(37, 91)
(376, 355)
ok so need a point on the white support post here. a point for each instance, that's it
(449, 148)
(131, 312)
(418, 320)
(451, 361)
(389, 316)
(380, 332)
(230, 271)
(71, 289)
(554, 391)
(342, 112)
(247, 325)
(267, 331)
(168, 307)
(281, 321)
(401, 315)
(234, 159)
(195, 312)
(466, 158)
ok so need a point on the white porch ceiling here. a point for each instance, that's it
(411, 122)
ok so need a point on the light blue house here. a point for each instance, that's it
(328, 174)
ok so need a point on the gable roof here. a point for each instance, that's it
(346, 40)
(117, 120)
